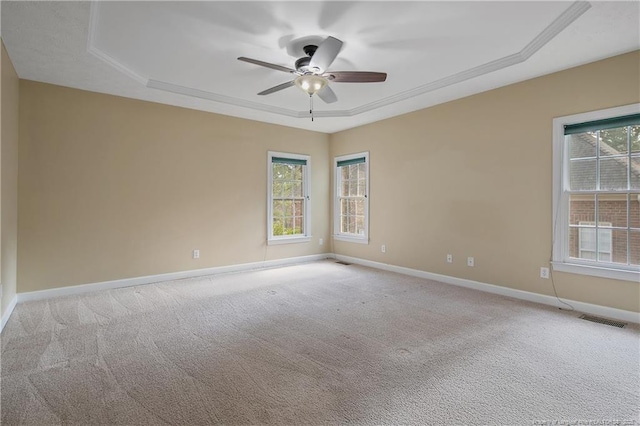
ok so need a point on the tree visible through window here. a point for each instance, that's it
(352, 207)
(288, 196)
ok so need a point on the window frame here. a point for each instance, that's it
(337, 178)
(561, 261)
(306, 175)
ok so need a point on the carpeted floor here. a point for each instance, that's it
(319, 343)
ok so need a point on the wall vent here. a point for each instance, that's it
(343, 262)
(605, 321)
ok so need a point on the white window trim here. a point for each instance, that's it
(560, 257)
(337, 235)
(289, 239)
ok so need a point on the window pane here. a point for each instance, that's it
(573, 243)
(354, 207)
(297, 172)
(582, 175)
(287, 171)
(587, 243)
(278, 171)
(635, 139)
(298, 207)
(277, 189)
(582, 208)
(634, 211)
(359, 206)
(582, 145)
(613, 209)
(587, 240)
(278, 208)
(613, 173)
(287, 189)
(344, 172)
(297, 189)
(635, 172)
(298, 224)
(353, 171)
(344, 207)
(344, 224)
(634, 247)
(288, 226)
(613, 141)
(344, 188)
(360, 225)
(618, 241)
(362, 186)
(287, 207)
(277, 226)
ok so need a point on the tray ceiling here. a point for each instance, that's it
(184, 53)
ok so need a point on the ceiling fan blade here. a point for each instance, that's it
(266, 64)
(327, 95)
(325, 54)
(356, 76)
(277, 88)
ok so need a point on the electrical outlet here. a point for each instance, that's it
(321, 241)
(471, 261)
(383, 248)
(544, 273)
(196, 254)
(449, 258)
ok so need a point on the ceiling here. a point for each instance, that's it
(184, 53)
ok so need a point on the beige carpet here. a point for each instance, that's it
(319, 343)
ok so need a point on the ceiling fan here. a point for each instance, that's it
(312, 75)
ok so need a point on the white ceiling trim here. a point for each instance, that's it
(93, 19)
(565, 19)
(203, 94)
(560, 23)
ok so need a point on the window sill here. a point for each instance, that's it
(597, 271)
(349, 239)
(288, 240)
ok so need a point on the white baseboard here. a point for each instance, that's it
(603, 311)
(129, 282)
(6, 314)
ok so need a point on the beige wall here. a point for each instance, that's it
(472, 177)
(9, 175)
(115, 188)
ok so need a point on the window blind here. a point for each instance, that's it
(359, 160)
(282, 160)
(607, 123)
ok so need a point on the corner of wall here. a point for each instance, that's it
(9, 89)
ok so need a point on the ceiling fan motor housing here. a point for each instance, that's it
(302, 64)
(310, 49)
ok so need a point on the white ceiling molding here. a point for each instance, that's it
(565, 19)
(184, 53)
(559, 24)
(203, 94)
(93, 19)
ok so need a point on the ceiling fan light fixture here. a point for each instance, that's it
(310, 83)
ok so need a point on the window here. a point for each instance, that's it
(596, 209)
(288, 207)
(351, 202)
(588, 244)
